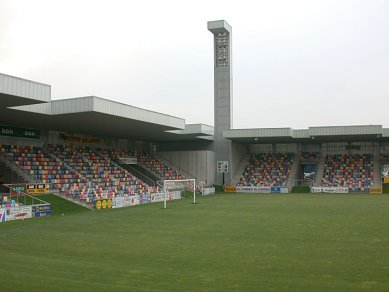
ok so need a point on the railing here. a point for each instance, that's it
(175, 166)
(140, 175)
(13, 167)
(303, 182)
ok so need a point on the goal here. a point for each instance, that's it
(179, 185)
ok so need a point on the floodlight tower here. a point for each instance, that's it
(222, 95)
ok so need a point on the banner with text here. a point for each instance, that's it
(19, 213)
(175, 195)
(207, 191)
(19, 132)
(104, 204)
(330, 190)
(41, 211)
(158, 197)
(3, 215)
(230, 189)
(16, 189)
(120, 202)
(36, 188)
(262, 190)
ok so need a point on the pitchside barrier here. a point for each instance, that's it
(256, 190)
(20, 206)
(207, 191)
(121, 202)
(229, 189)
(375, 190)
(330, 190)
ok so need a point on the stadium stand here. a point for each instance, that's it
(37, 162)
(159, 168)
(384, 165)
(77, 171)
(311, 156)
(267, 169)
(353, 171)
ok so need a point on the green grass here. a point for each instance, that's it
(226, 242)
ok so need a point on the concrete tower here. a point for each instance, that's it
(222, 95)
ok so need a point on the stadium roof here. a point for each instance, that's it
(17, 91)
(310, 135)
(28, 104)
(89, 115)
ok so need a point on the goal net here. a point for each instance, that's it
(179, 185)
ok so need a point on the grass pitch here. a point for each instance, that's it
(226, 242)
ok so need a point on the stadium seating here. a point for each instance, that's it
(79, 171)
(313, 156)
(114, 155)
(101, 177)
(159, 168)
(352, 171)
(38, 162)
(267, 169)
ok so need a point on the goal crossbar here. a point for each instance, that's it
(179, 184)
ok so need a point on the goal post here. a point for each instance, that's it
(179, 185)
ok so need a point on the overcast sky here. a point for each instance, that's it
(295, 63)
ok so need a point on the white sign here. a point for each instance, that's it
(19, 213)
(222, 166)
(128, 160)
(284, 190)
(332, 190)
(120, 202)
(264, 190)
(158, 197)
(207, 191)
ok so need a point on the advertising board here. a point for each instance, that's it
(330, 190)
(208, 191)
(41, 211)
(222, 166)
(19, 213)
(3, 215)
(104, 204)
(35, 189)
(261, 190)
(230, 189)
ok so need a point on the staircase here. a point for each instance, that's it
(293, 171)
(377, 182)
(16, 173)
(174, 166)
(239, 171)
(141, 173)
(75, 201)
(319, 170)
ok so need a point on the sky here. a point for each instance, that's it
(295, 63)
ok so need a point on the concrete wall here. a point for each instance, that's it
(274, 148)
(238, 152)
(350, 148)
(185, 146)
(310, 148)
(195, 164)
(25, 141)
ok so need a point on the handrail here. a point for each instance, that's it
(187, 175)
(142, 174)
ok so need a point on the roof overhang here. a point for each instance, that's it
(16, 91)
(96, 116)
(310, 135)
